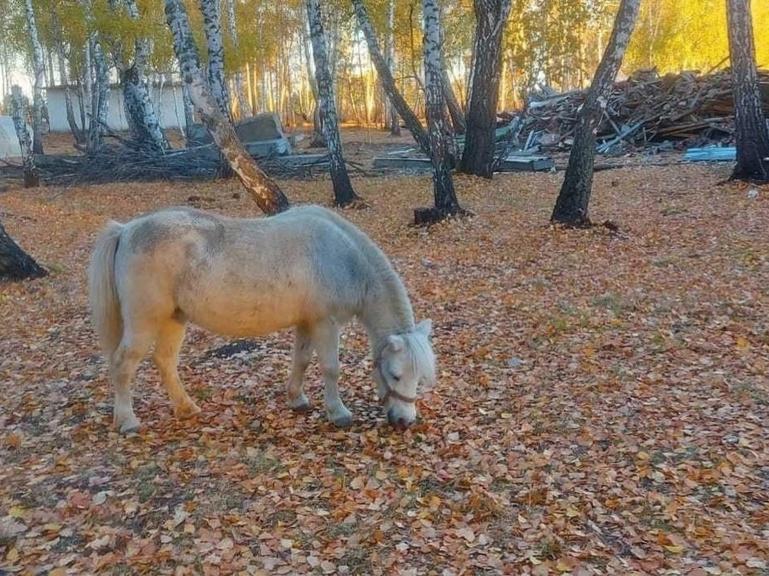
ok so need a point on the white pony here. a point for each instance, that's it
(306, 268)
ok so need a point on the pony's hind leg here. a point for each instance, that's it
(124, 362)
(297, 399)
(166, 357)
(325, 336)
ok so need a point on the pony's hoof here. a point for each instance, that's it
(300, 404)
(130, 426)
(187, 410)
(344, 421)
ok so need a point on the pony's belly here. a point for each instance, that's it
(254, 317)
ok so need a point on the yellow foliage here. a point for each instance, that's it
(674, 35)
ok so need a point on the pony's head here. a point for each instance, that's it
(404, 366)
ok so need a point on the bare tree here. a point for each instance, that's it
(478, 156)
(212, 24)
(571, 207)
(388, 82)
(15, 264)
(31, 178)
(751, 131)
(446, 203)
(38, 64)
(344, 195)
(262, 189)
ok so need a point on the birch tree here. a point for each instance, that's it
(38, 64)
(140, 112)
(344, 195)
(212, 24)
(265, 192)
(318, 140)
(751, 131)
(99, 97)
(478, 156)
(391, 116)
(243, 105)
(19, 111)
(571, 207)
(446, 203)
(77, 133)
(388, 82)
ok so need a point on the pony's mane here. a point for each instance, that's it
(398, 302)
(421, 357)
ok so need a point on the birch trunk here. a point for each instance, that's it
(317, 140)
(571, 207)
(212, 24)
(15, 264)
(262, 189)
(446, 203)
(388, 82)
(452, 104)
(38, 63)
(751, 131)
(77, 133)
(99, 99)
(139, 109)
(344, 195)
(31, 178)
(478, 156)
(392, 120)
(189, 111)
(243, 104)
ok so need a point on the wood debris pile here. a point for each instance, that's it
(121, 163)
(646, 110)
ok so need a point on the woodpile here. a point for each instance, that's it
(125, 164)
(673, 111)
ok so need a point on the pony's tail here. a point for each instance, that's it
(102, 290)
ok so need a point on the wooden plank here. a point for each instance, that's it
(515, 163)
(714, 154)
(400, 163)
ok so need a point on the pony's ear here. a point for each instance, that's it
(425, 327)
(395, 342)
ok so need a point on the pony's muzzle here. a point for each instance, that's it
(398, 421)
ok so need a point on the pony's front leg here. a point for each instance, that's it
(326, 340)
(297, 399)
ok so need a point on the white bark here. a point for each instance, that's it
(31, 179)
(262, 189)
(343, 191)
(139, 109)
(443, 186)
(391, 115)
(99, 98)
(212, 24)
(243, 104)
(38, 63)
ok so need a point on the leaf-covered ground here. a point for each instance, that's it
(602, 406)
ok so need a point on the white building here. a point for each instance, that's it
(167, 99)
(9, 142)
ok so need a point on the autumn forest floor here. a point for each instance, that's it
(602, 405)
